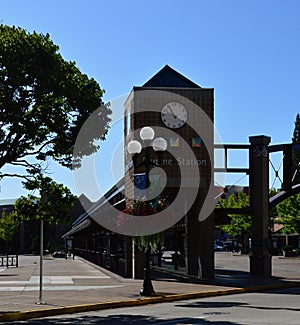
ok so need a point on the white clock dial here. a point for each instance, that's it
(174, 115)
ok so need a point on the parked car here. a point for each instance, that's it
(230, 246)
(59, 254)
(218, 248)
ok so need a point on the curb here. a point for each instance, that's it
(28, 314)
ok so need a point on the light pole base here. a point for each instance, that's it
(41, 303)
(147, 288)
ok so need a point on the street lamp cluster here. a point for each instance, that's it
(147, 135)
(134, 148)
(159, 145)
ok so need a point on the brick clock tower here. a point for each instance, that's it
(171, 104)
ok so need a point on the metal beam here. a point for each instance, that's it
(226, 211)
(231, 146)
(231, 170)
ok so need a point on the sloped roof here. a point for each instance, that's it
(80, 206)
(277, 227)
(7, 202)
(168, 77)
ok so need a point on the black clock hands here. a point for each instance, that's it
(174, 115)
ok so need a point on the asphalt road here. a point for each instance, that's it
(278, 307)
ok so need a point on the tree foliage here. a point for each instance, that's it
(296, 153)
(9, 224)
(53, 205)
(289, 213)
(44, 101)
(273, 216)
(241, 224)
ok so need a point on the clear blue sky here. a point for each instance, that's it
(248, 51)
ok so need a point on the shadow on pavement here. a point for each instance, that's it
(122, 319)
(228, 278)
(230, 304)
(211, 304)
(231, 278)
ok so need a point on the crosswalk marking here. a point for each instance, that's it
(57, 288)
(54, 279)
(50, 283)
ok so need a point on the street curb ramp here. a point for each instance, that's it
(46, 312)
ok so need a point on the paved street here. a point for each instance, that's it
(280, 307)
(288, 268)
(74, 282)
(71, 285)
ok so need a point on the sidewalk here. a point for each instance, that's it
(77, 285)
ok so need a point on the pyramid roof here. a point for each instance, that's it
(168, 77)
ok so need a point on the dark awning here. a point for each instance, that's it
(83, 225)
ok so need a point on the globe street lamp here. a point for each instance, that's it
(134, 147)
(147, 133)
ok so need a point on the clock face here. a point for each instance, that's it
(174, 115)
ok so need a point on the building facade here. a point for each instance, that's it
(173, 106)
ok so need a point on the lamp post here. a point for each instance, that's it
(134, 147)
(43, 201)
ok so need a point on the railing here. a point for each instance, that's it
(112, 262)
(9, 260)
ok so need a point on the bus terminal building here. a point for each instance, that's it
(162, 103)
(169, 149)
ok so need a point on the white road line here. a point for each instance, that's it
(56, 279)
(51, 279)
(90, 277)
(13, 282)
(57, 288)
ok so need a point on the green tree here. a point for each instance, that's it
(289, 213)
(241, 224)
(9, 225)
(296, 153)
(44, 101)
(53, 205)
(273, 216)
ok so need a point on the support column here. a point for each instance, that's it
(128, 257)
(260, 261)
(22, 247)
(199, 240)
